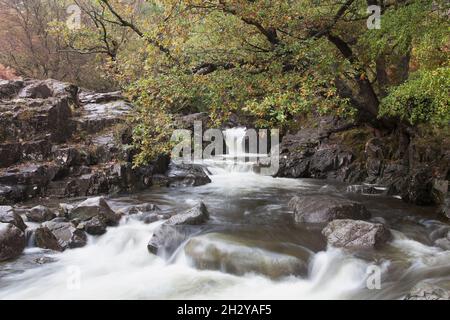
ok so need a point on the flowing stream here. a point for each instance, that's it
(249, 249)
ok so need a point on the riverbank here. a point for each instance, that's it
(215, 229)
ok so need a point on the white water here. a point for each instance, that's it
(118, 266)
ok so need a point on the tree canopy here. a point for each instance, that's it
(272, 60)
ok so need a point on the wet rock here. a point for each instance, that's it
(187, 175)
(423, 189)
(10, 88)
(36, 118)
(11, 153)
(428, 291)
(176, 230)
(87, 97)
(40, 214)
(194, 216)
(444, 209)
(67, 156)
(325, 208)
(167, 238)
(45, 239)
(35, 90)
(95, 226)
(140, 208)
(95, 207)
(7, 215)
(443, 243)
(66, 233)
(12, 241)
(356, 234)
(219, 252)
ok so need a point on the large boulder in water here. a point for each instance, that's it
(66, 233)
(194, 216)
(220, 252)
(177, 229)
(12, 241)
(187, 175)
(94, 207)
(40, 214)
(428, 291)
(45, 239)
(325, 208)
(7, 215)
(356, 234)
(95, 226)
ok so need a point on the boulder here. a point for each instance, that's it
(422, 188)
(219, 252)
(93, 207)
(45, 239)
(10, 88)
(194, 216)
(66, 233)
(324, 208)
(187, 175)
(7, 215)
(167, 238)
(95, 226)
(177, 229)
(356, 234)
(444, 209)
(40, 214)
(12, 241)
(427, 291)
(140, 208)
(36, 90)
(443, 243)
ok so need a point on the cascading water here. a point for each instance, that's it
(235, 141)
(250, 248)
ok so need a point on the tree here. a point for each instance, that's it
(275, 60)
(28, 45)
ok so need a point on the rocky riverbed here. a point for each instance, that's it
(71, 198)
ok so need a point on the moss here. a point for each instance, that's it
(355, 140)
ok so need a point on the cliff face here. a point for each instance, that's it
(417, 170)
(57, 140)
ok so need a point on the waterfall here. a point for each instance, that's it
(235, 141)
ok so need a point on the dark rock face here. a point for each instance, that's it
(325, 208)
(7, 215)
(356, 234)
(66, 233)
(184, 175)
(423, 188)
(404, 166)
(12, 241)
(95, 207)
(176, 230)
(45, 239)
(428, 291)
(40, 214)
(56, 141)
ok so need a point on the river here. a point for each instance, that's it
(251, 248)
